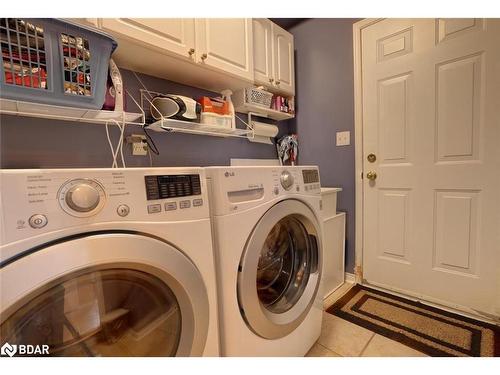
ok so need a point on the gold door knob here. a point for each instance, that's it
(204, 56)
(191, 51)
(371, 175)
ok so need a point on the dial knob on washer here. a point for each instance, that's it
(286, 180)
(82, 197)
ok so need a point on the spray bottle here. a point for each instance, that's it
(226, 95)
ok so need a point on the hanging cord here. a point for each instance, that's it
(119, 146)
(151, 143)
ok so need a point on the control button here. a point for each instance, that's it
(197, 202)
(82, 197)
(170, 206)
(123, 210)
(286, 180)
(185, 204)
(276, 190)
(38, 221)
(154, 208)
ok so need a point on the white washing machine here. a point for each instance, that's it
(108, 262)
(267, 240)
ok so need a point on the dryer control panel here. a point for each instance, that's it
(240, 188)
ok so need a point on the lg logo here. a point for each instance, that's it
(229, 174)
(12, 350)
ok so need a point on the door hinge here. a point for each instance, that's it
(361, 175)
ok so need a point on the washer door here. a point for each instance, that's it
(112, 294)
(280, 270)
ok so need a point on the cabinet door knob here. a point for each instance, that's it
(191, 51)
(271, 80)
(278, 82)
(204, 56)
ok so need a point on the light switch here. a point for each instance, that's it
(343, 138)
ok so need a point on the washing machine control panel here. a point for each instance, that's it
(172, 186)
(41, 201)
(82, 197)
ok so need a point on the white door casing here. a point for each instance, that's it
(427, 107)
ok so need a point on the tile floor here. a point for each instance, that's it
(340, 338)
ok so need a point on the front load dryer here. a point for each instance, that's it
(103, 262)
(267, 240)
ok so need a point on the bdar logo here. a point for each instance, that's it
(8, 349)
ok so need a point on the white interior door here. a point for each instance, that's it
(431, 94)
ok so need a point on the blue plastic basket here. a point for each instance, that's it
(55, 62)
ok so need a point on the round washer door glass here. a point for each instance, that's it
(284, 265)
(280, 269)
(108, 312)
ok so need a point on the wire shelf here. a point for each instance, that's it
(30, 109)
(179, 126)
(189, 127)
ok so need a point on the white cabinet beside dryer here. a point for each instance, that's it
(273, 52)
(333, 242)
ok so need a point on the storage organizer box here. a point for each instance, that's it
(223, 121)
(54, 62)
(252, 95)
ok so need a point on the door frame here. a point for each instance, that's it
(359, 189)
(358, 144)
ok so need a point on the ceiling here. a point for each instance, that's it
(288, 23)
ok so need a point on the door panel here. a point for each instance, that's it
(227, 43)
(430, 114)
(283, 57)
(172, 34)
(262, 50)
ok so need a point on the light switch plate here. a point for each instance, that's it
(343, 138)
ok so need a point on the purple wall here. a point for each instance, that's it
(325, 105)
(39, 143)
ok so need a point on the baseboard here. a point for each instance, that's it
(350, 278)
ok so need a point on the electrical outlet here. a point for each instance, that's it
(343, 138)
(139, 144)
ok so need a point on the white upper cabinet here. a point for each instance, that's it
(283, 60)
(262, 51)
(226, 44)
(174, 35)
(273, 57)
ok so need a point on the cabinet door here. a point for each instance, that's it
(262, 51)
(226, 44)
(283, 60)
(174, 35)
